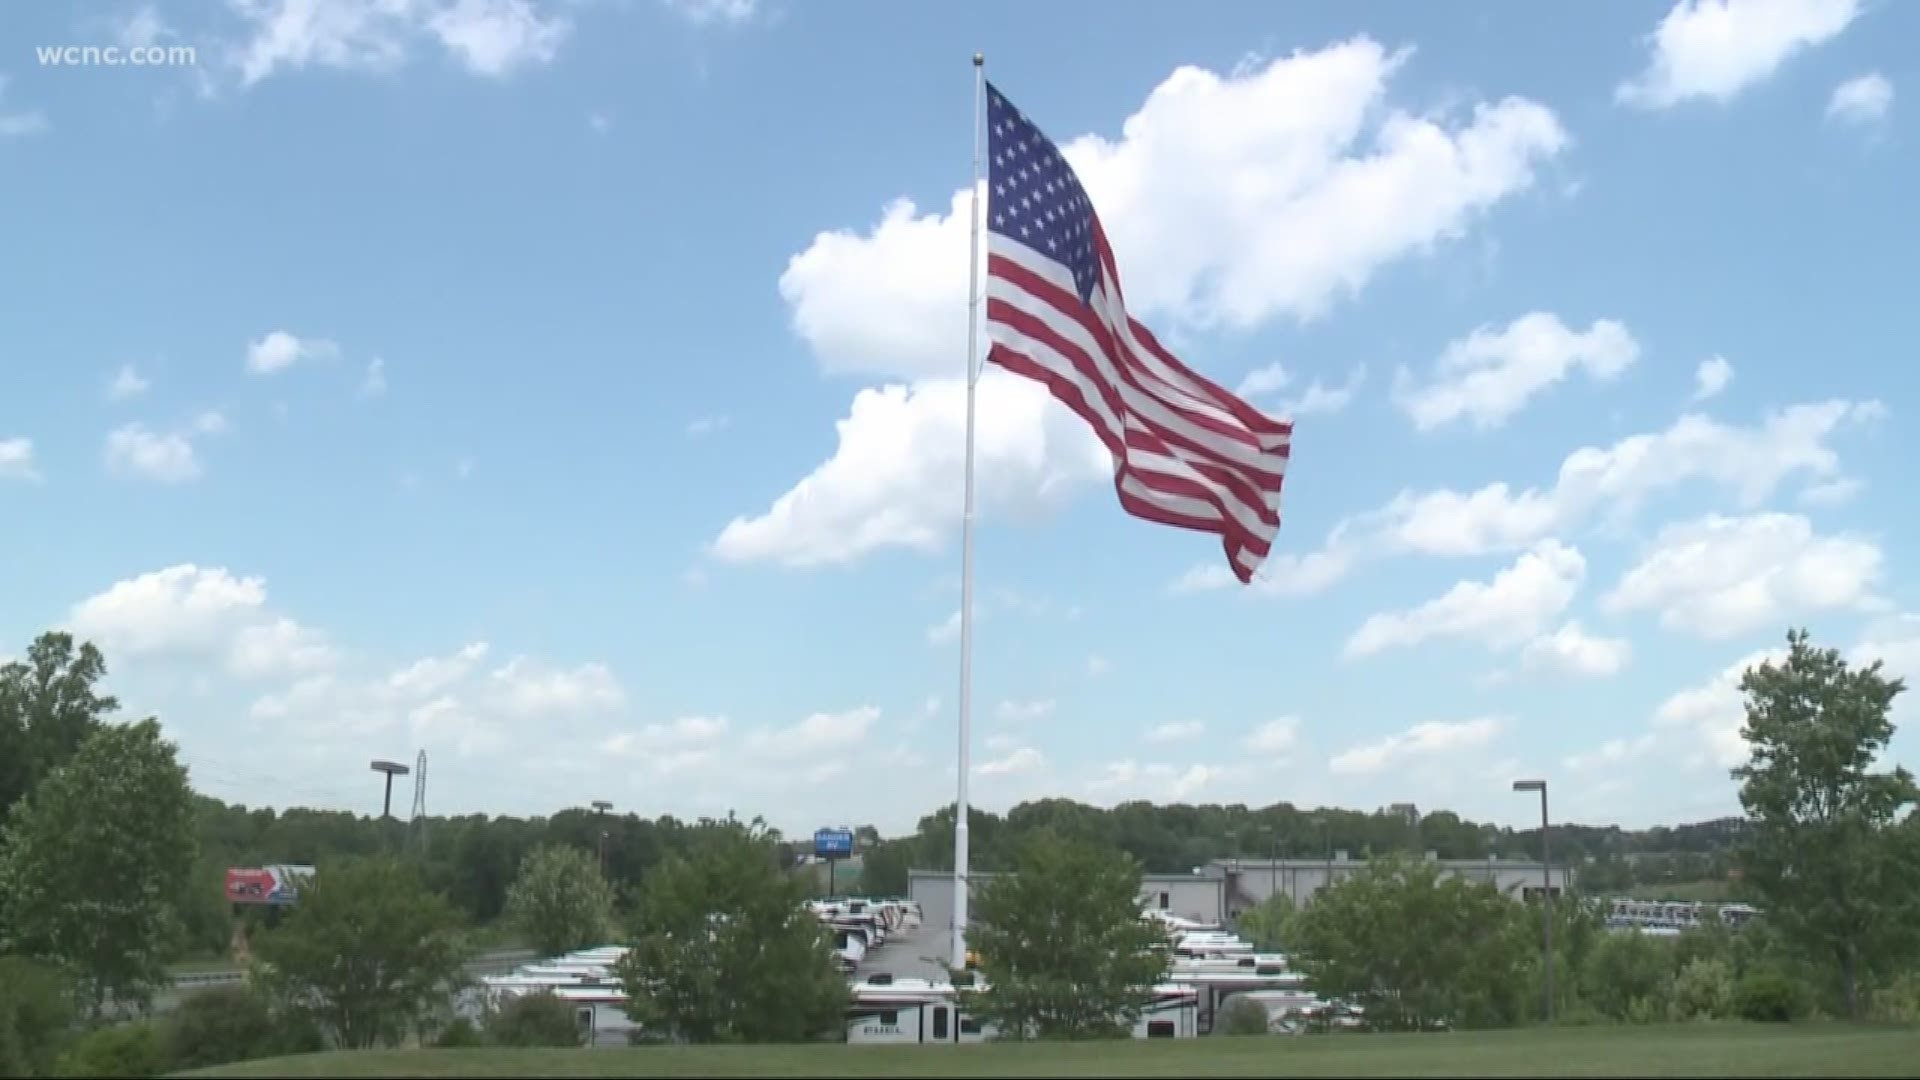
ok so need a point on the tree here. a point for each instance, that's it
(540, 1019)
(47, 709)
(95, 858)
(726, 950)
(559, 902)
(1269, 925)
(1836, 873)
(1063, 950)
(1414, 947)
(1627, 968)
(221, 1024)
(366, 952)
(35, 1013)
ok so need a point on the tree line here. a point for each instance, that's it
(99, 888)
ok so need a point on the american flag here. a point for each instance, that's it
(1185, 451)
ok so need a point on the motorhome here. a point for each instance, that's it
(1215, 988)
(1201, 946)
(1265, 963)
(887, 1011)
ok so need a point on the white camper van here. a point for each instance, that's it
(887, 1011)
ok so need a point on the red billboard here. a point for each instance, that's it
(278, 884)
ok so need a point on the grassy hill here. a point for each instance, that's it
(1668, 1050)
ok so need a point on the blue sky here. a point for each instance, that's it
(572, 390)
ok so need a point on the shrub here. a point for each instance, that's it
(1898, 1002)
(35, 1008)
(1624, 968)
(1769, 996)
(1243, 1016)
(1703, 991)
(219, 1025)
(534, 1020)
(459, 1035)
(117, 1050)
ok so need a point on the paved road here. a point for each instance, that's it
(909, 954)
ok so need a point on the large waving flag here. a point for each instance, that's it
(1186, 452)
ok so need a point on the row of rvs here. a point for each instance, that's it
(1208, 968)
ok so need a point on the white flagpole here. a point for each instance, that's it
(960, 890)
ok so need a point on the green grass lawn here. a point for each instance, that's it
(1670, 1050)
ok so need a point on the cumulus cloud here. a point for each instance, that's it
(280, 350)
(1274, 738)
(374, 384)
(1572, 650)
(1745, 464)
(1711, 715)
(16, 460)
(1611, 752)
(1175, 731)
(201, 612)
(1861, 100)
(701, 12)
(527, 687)
(491, 38)
(1719, 577)
(1419, 742)
(1017, 711)
(1711, 377)
(1489, 375)
(1025, 759)
(1503, 612)
(1714, 49)
(127, 383)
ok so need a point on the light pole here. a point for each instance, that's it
(392, 769)
(1546, 872)
(600, 808)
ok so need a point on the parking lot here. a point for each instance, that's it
(908, 954)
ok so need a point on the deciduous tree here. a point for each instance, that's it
(559, 901)
(367, 951)
(726, 950)
(47, 709)
(1063, 950)
(94, 861)
(1837, 874)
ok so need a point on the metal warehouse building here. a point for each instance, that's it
(1221, 890)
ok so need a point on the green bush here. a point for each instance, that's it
(1703, 991)
(539, 1019)
(117, 1050)
(1769, 996)
(230, 1023)
(459, 1035)
(35, 1008)
(1244, 1017)
(1624, 969)
(1898, 1002)
(1644, 1010)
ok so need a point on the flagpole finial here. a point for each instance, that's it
(979, 59)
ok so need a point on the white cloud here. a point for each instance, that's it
(210, 422)
(127, 382)
(1861, 100)
(1176, 731)
(1263, 381)
(168, 457)
(191, 611)
(1895, 641)
(1746, 463)
(1272, 190)
(1491, 374)
(1098, 665)
(707, 425)
(375, 382)
(430, 675)
(714, 11)
(817, 733)
(1832, 492)
(1714, 49)
(1713, 713)
(1611, 752)
(1023, 760)
(494, 37)
(895, 478)
(16, 460)
(529, 688)
(1019, 711)
(280, 350)
(19, 123)
(1573, 651)
(1421, 741)
(1274, 738)
(1320, 399)
(1720, 577)
(1711, 377)
(1504, 612)
(488, 37)
(142, 27)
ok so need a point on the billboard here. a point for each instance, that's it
(277, 884)
(833, 843)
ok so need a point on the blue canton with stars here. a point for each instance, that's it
(1033, 196)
